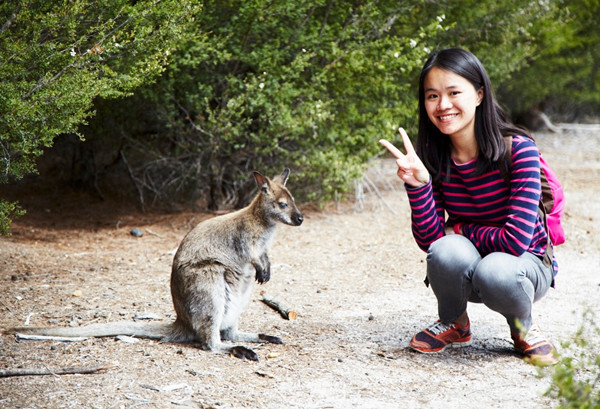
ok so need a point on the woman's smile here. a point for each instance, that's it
(447, 117)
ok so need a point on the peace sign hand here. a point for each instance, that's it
(410, 168)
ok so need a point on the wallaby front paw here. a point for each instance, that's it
(270, 339)
(262, 276)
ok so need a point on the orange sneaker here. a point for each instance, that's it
(534, 347)
(440, 336)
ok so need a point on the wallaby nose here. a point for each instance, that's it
(298, 219)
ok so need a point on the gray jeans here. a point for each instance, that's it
(504, 283)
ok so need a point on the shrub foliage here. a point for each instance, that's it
(216, 89)
(576, 377)
(311, 86)
(58, 56)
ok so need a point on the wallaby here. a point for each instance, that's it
(212, 277)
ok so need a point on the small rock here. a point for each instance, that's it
(137, 232)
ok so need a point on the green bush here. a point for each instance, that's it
(250, 84)
(265, 85)
(563, 76)
(308, 85)
(57, 57)
(8, 212)
(576, 377)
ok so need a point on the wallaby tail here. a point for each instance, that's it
(151, 330)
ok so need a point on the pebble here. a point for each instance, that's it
(137, 232)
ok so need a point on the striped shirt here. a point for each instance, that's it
(494, 217)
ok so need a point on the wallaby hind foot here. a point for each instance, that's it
(244, 353)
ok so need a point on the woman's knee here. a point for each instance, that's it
(501, 275)
(451, 254)
(452, 248)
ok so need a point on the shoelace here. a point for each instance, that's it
(534, 335)
(439, 327)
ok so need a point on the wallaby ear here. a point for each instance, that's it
(261, 181)
(284, 176)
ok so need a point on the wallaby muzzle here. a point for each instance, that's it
(297, 219)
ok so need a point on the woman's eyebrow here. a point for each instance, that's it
(448, 87)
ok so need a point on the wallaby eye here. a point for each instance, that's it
(283, 205)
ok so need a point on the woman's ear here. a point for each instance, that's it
(480, 94)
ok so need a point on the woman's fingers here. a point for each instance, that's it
(406, 141)
(393, 150)
(403, 164)
(410, 167)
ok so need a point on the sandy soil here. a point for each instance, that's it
(353, 273)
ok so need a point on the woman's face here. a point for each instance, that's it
(450, 102)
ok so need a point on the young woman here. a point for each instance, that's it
(490, 247)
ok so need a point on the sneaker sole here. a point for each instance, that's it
(541, 361)
(451, 345)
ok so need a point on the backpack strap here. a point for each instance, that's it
(504, 164)
(548, 255)
(504, 168)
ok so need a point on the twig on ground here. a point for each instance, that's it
(153, 233)
(30, 337)
(5, 373)
(283, 310)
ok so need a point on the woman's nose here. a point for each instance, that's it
(444, 103)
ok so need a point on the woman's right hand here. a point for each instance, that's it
(410, 168)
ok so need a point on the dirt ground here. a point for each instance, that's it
(352, 272)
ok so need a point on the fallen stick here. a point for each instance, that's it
(283, 310)
(30, 337)
(5, 373)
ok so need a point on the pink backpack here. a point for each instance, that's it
(552, 200)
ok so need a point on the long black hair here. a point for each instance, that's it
(491, 124)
